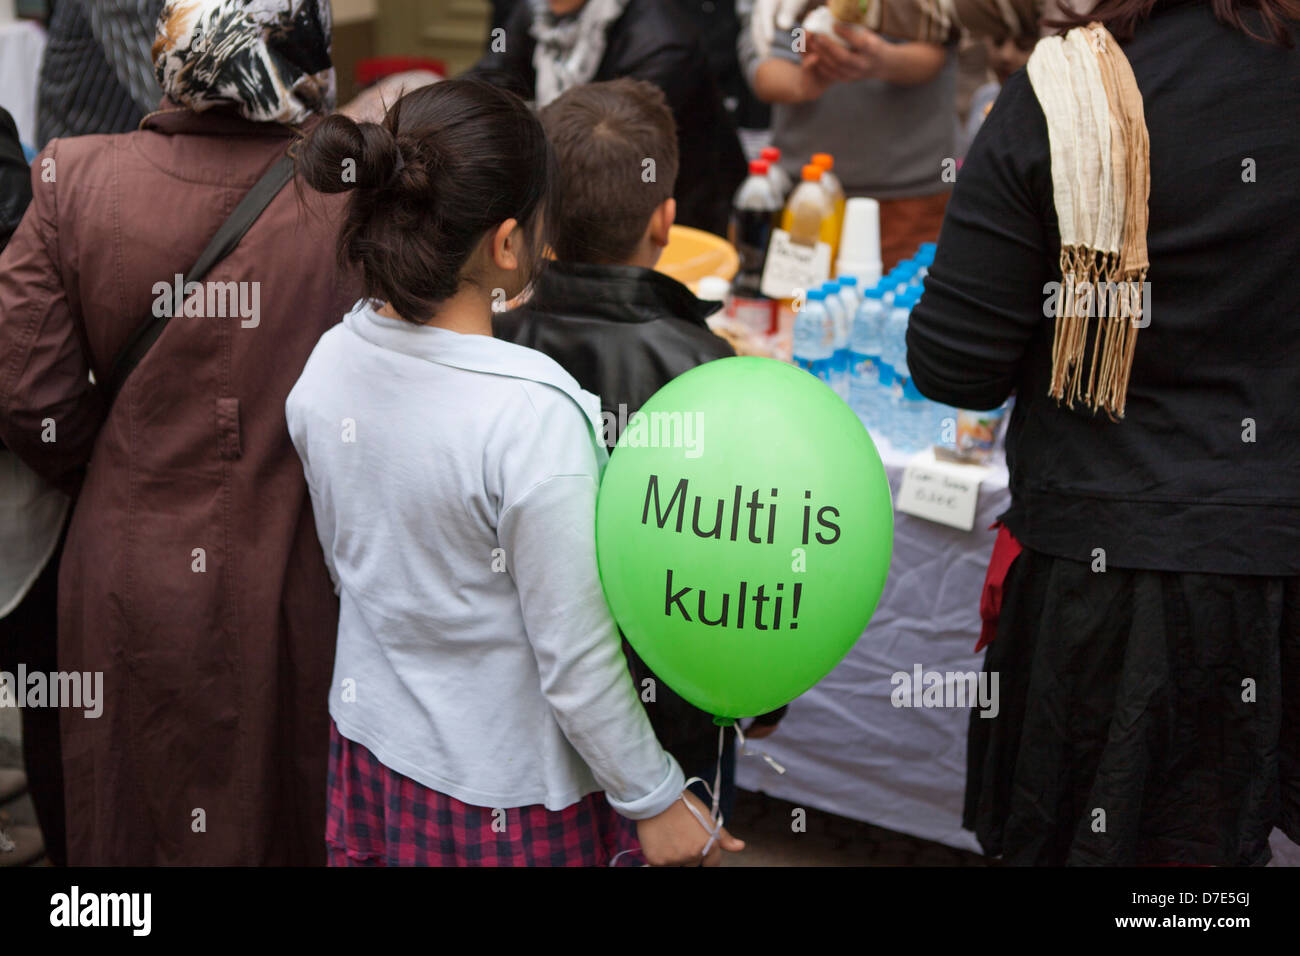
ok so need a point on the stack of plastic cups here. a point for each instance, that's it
(860, 242)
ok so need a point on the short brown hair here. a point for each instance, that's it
(604, 134)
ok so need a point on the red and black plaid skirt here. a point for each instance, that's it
(378, 817)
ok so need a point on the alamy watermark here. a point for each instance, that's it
(958, 689)
(133, 911)
(1099, 300)
(209, 300)
(655, 430)
(75, 689)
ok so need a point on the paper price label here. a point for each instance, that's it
(792, 266)
(940, 492)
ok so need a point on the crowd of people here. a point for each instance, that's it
(329, 534)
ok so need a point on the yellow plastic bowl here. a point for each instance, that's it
(692, 254)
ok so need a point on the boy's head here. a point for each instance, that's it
(617, 148)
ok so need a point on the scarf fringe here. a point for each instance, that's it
(1096, 289)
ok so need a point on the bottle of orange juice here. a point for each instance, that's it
(809, 216)
(809, 219)
(831, 183)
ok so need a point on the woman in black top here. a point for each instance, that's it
(1149, 640)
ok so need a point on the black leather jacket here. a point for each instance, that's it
(623, 332)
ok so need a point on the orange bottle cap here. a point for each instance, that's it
(811, 173)
(824, 160)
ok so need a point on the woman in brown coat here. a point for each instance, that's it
(192, 577)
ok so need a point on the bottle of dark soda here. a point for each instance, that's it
(755, 212)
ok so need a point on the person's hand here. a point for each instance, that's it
(814, 79)
(862, 59)
(675, 837)
(770, 16)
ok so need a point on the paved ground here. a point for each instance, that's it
(766, 825)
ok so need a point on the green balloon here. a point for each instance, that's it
(744, 529)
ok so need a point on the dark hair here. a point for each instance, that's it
(1121, 17)
(450, 162)
(603, 133)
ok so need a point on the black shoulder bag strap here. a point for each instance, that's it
(220, 246)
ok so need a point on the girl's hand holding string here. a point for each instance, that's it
(675, 837)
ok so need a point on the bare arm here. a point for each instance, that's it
(781, 81)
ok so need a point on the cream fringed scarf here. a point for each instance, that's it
(1101, 180)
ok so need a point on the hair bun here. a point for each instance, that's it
(340, 154)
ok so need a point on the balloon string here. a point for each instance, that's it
(715, 798)
(744, 749)
(714, 792)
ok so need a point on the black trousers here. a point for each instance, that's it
(29, 635)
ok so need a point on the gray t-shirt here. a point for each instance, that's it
(889, 141)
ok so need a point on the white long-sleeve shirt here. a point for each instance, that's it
(454, 479)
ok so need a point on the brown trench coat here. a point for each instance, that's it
(192, 576)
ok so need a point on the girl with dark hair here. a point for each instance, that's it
(1118, 252)
(480, 697)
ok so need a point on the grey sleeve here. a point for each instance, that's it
(125, 31)
(749, 56)
(745, 51)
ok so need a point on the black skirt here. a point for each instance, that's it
(1144, 717)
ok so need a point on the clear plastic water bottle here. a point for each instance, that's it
(897, 280)
(905, 273)
(916, 419)
(842, 319)
(924, 258)
(894, 355)
(814, 337)
(864, 357)
(898, 417)
(850, 296)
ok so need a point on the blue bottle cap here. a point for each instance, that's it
(816, 295)
(832, 286)
(850, 281)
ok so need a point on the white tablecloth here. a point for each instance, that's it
(845, 747)
(21, 44)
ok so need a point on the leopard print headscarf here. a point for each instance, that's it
(270, 59)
